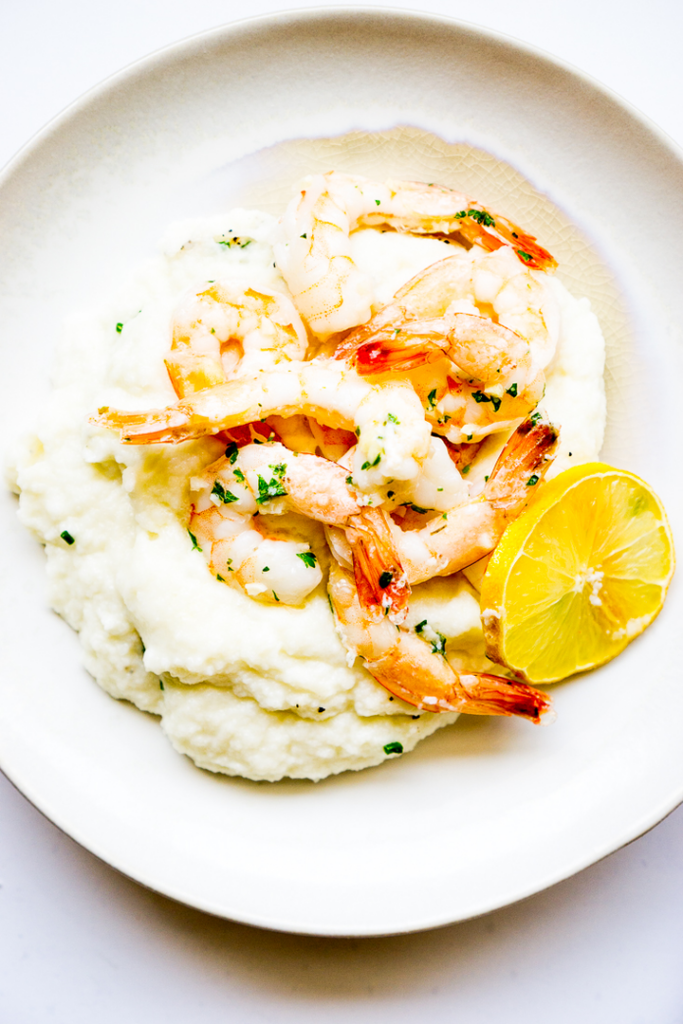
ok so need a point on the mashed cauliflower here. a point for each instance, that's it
(241, 687)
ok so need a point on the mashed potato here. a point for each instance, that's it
(241, 687)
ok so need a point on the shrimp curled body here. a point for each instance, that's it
(314, 254)
(406, 666)
(226, 326)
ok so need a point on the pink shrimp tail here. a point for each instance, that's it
(493, 695)
(380, 578)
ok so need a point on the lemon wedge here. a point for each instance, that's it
(578, 575)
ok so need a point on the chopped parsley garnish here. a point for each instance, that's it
(527, 257)
(266, 568)
(431, 398)
(385, 579)
(273, 488)
(512, 390)
(195, 545)
(239, 475)
(390, 494)
(465, 470)
(377, 202)
(276, 597)
(357, 431)
(161, 685)
(220, 578)
(371, 465)
(419, 509)
(320, 710)
(241, 242)
(304, 235)
(535, 417)
(439, 645)
(391, 419)
(532, 480)
(231, 452)
(66, 536)
(486, 478)
(480, 396)
(308, 558)
(420, 626)
(119, 328)
(393, 748)
(481, 217)
(221, 492)
(349, 481)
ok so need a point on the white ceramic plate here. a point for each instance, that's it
(481, 814)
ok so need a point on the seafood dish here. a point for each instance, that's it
(274, 467)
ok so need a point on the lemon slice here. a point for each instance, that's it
(578, 575)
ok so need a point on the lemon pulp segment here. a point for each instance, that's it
(578, 575)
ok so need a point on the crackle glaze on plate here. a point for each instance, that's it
(491, 810)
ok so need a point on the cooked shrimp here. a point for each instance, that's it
(226, 325)
(488, 326)
(314, 255)
(388, 419)
(239, 548)
(418, 672)
(270, 479)
(456, 539)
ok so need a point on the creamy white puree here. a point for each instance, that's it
(241, 687)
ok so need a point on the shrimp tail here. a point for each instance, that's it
(494, 695)
(156, 425)
(380, 579)
(522, 464)
(525, 247)
(429, 683)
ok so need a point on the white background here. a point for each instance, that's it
(79, 943)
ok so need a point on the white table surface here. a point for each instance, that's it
(80, 943)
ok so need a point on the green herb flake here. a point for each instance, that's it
(66, 536)
(377, 202)
(308, 558)
(480, 396)
(274, 488)
(512, 390)
(221, 492)
(349, 481)
(533, 480)
(439, 645)
(220, 578)
(195, 545)
(231, 453)
(276, 597)
(420, 626)
(161, 685)
(527, 257)
(304, 235)
(393, 748)
(486, 478)
(391, 419)
(385, 579)
(239, 475)
(465, 470)
(535, 417)
(357, 431)
(371, 465)
(119, 328)
(419, 509)
(266, 568)
(431, 398)
(482, 217)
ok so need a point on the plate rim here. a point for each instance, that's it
(166, 53)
